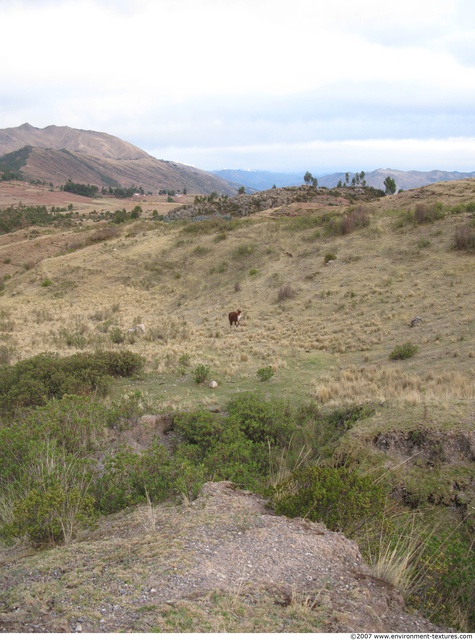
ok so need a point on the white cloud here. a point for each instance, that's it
(246, 75)
(451, 154)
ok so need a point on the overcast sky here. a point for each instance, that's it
(319, 85)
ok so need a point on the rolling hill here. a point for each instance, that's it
(57, 154)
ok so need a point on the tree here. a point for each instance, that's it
(241, 190)
(347, 177)
(310, 180)
(390, 185)
(135, 213)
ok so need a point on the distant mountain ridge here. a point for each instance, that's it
(91, 143)
(55, 154)
(262, 180)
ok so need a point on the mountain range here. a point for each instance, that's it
(262, 180)
(56, 154)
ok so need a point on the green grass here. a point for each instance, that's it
(172, 388)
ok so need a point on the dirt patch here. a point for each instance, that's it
(221, 563)
(428, 445)
(15, 193)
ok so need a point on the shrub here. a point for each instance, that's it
(329, 257)
(130, 478)
(51, 514)
(357, 218)
(286, 292)
(75, 423)
(341, 498)
(200, 251)
(200, 373)
(210, 448)
(122, 364)
(34, 381)
(50, 501)
(261, 420)
(403, 351)
(75, 339)
(243, 251)
(265, 373)
(464, 239)
(183, 362)
(116, 335)
(445, 575)
(426, 213)
(200, 428)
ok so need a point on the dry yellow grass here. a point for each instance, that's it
(350, 313)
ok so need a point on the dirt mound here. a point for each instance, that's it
(221, 563)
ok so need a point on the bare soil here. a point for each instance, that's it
(224, 562)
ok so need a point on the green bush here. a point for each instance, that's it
(116, 335)
(130, 478)
(51, 514)
(200, 373)
(49, 501)
(201, 428)
(218, 450)
(403, 351)
(261, 420)
(341, 498)
(265, 373)
(445, 574)
(183, 362)
(76, 423)
(237, 459)
(34, 381)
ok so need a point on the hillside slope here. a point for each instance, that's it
(90, 143)
(56, 154)
(329, 286)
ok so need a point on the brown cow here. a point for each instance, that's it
(234, 318)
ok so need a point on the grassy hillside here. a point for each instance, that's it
(328, 289)
(315, 302)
